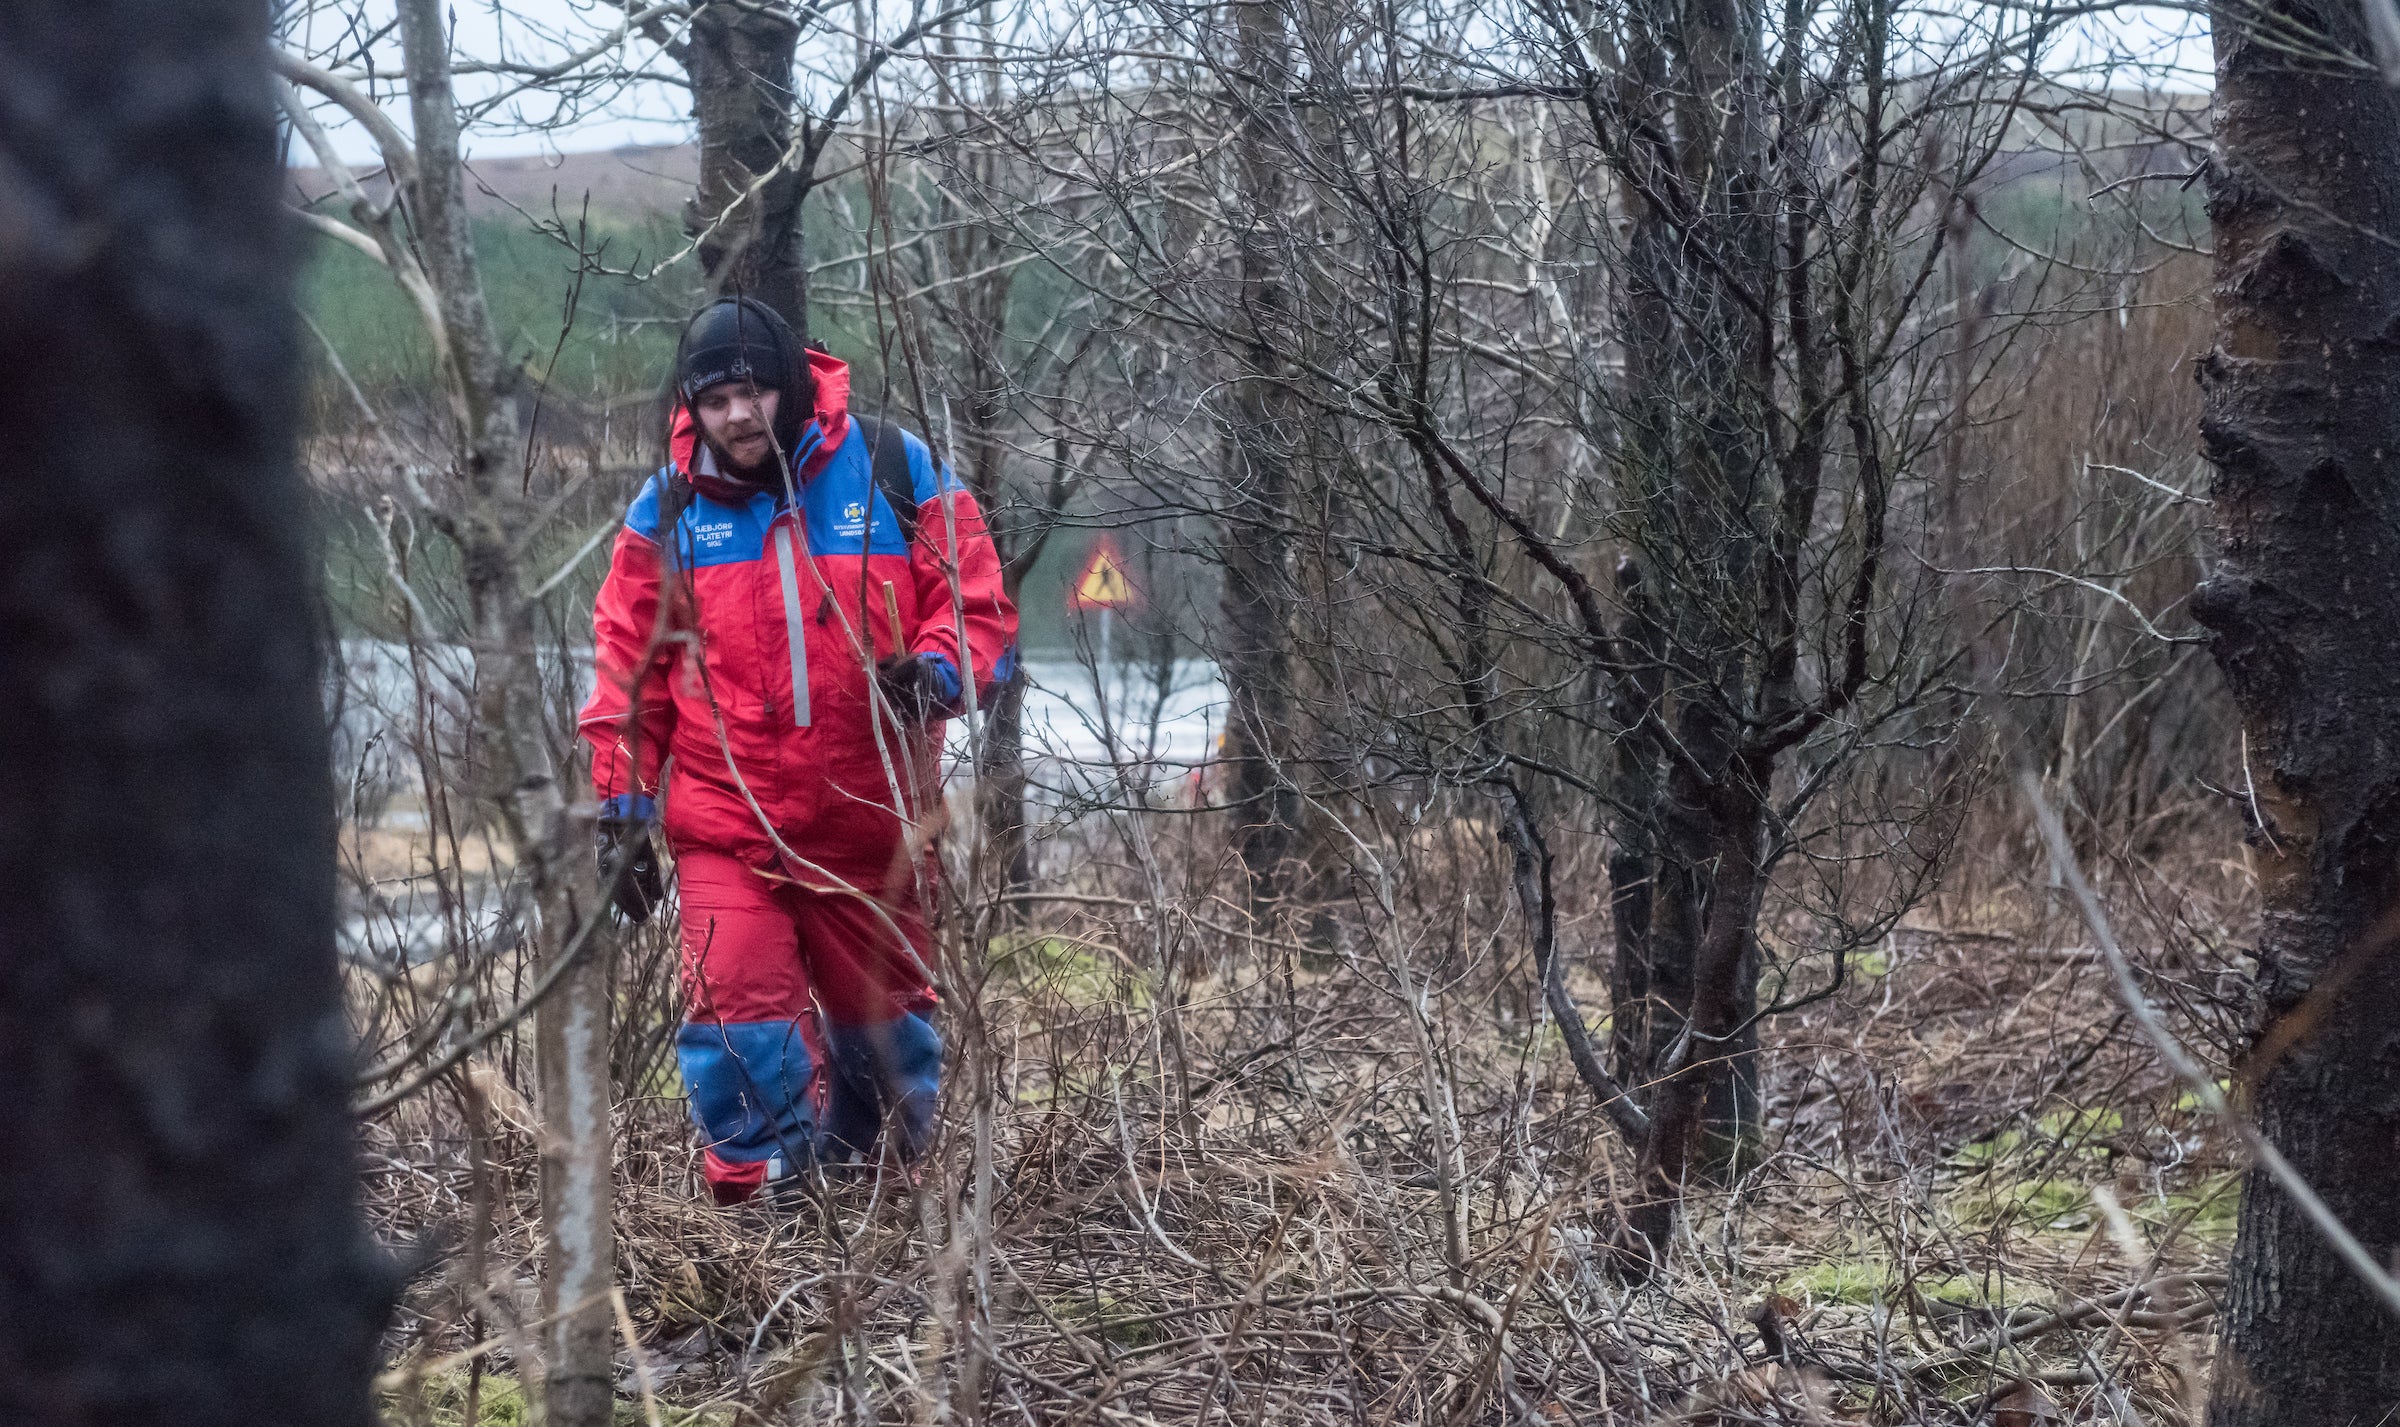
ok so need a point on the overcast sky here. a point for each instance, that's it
(2125, 46)
(536, 31)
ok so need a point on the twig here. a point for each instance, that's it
(641, 1362)
(552, 976)
(2170, 1050)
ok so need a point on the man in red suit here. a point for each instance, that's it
(797, 602)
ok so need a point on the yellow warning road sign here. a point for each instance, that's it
(1103, 583)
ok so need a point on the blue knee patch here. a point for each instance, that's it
(897, 1065)
(749, 1085)
(915, 1063)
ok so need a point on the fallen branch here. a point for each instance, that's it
(2082, 1313)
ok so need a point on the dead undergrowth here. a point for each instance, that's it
(1341, 1172)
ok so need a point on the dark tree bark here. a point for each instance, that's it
(1633, 849)
(1254, 643)
(179, 1241)
(1688, 832)
(1001, 779)
(1001, 783)
(759, 149)
(2301, 424)
(1707, 1082)
(1749, 331)
(739, 60)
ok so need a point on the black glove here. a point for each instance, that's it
(920, 686)
(628, 866)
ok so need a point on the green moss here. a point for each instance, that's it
(441, 1401)
(1986, 1152)
(1981, 1292)
(1860, 1281)
(2038, 1176)
(1074, 971)
(2077, 1127)
(2208, 1210)
(2065, 1136)
(663, 1081)
(1872, 1279)
(2045, 1203)
(1108, 1318)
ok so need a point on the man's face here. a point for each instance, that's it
(739, 420)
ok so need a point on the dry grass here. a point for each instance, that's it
(1220, 1195)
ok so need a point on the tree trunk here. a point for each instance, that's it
(976, 311)
(2300, 422)
(179, 1238)
(553, 848)
(1652, 903)
(571, 1035)
(1700, 467)
(751, 244)
(1710, 1076)
(1000, 784)
(1254, 645)
(1633, 840)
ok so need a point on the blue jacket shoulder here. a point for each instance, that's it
(641, 517)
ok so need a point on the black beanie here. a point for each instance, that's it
(743, 339)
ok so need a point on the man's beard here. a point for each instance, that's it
(762, 473)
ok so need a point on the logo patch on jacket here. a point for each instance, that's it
(846, 515)
(718, 534)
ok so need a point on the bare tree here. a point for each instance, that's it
(746, 212)
(179, 1238)
(2304, 193)
(1682, 339)
(760, 143)
(486, 511)
(1261, 450)
(976, 356)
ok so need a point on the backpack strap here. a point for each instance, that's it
(887, 456)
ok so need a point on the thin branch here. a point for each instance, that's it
(2178, 1060)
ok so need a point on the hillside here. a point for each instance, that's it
(637, 178)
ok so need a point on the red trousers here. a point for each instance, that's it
(807, 1020)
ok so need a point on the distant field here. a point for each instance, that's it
(620, 338)
(639, 179)
(626, 205)
(620, 345)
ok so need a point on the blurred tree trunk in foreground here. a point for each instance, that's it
(178, 1238)
(2301, 424)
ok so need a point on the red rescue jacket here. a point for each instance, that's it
(739, 639)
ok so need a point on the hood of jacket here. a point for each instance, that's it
(822, 436)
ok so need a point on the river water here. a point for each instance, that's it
(1129, 735)
(1081, 723)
